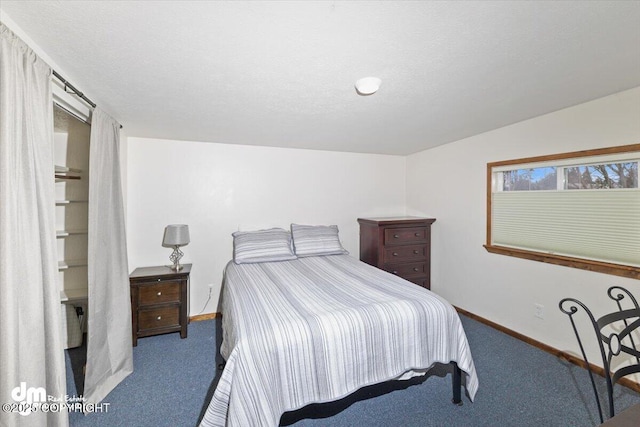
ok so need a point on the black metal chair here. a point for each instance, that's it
(614, 334)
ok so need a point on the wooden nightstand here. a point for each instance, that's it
(400, 245)
(159, 301)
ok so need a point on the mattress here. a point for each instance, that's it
(317, 329)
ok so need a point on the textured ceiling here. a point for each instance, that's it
(283, 73)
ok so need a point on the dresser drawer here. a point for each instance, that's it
(405, 253)
(420, 281)
(160, 292)
(159, 317)
(411, 269)
(404, 236)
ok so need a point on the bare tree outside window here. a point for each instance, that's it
(531, 179)
(605, 176)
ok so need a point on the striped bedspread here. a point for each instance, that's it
(317, 329)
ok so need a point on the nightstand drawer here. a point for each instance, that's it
(405, 235)
(158, 317)
(405, 270)
(160, 292)
(405, 253)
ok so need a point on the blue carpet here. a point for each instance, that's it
(173, 381)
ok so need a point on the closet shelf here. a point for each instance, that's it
(64, 169)
(66, 264)
(67, 233)
(70, 296)
(64, 173)
(67, 202)
(60, 177)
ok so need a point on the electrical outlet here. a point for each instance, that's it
(538, 311)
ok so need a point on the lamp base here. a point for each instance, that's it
(175, 258)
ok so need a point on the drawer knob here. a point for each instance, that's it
(159, 318)
(416, 252)
(395, 254)
(395, 236)
(159, 293)
(417, 234)
(159, 280)
(416, 269)
(394, 272)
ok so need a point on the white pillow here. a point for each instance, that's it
(262, 246)
(312, 240)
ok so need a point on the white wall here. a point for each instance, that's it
(449, 183)
(217, 189)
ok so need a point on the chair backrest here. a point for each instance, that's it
(614, 335)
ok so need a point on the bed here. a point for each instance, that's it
(316, 329)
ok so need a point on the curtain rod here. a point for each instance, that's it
(73, 88)
(76, 91)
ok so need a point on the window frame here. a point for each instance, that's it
(574, 262)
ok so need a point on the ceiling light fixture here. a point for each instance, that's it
(368, 85)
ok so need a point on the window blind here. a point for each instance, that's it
(601, 225)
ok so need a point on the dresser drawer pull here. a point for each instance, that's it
(395, 236)
(416, 252)
(395, 254)
(416, 269)
(159, 294)
(159, 318)
(159, 280)
(417, 234)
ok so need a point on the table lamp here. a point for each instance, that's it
(176, 235)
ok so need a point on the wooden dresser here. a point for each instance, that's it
(159, 301)
(399, 245)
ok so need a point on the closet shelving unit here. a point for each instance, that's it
(70, 296)
(66, 264)
(71, 157)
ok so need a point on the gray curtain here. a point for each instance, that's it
(31, 352)
(109, 346)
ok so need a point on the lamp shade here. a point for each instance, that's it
(176, 235)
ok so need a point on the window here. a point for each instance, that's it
(577, 209)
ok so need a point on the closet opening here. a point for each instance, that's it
(71, 158)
